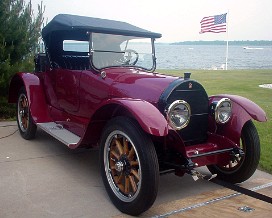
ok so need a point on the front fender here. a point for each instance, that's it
(35, 95)
(147, 115)
(254, 110)
(243, 110)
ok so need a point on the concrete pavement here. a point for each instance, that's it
(44, 178)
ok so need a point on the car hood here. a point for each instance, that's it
(136, 84)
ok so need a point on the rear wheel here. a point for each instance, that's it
(129, 166)
(242, 168)
(25, 122)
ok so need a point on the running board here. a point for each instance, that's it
(57, 131)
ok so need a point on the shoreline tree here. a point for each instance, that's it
(20, 31)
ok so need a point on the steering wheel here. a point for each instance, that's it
(129, 55)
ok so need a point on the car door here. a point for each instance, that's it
(67, 89)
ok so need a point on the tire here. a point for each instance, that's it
(242, 169)
(25, 122)
(129, 166)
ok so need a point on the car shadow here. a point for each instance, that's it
(86, 162)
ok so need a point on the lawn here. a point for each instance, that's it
(244, 83)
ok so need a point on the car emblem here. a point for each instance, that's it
(190, 85)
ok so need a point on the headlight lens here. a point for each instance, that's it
(178, 114)
(223, 111)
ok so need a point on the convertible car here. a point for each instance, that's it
(96, 85)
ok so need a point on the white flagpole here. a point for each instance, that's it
(227, 50)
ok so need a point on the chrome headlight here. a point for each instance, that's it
(178, 114)
(222, 111)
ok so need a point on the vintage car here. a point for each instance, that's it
(96, 85)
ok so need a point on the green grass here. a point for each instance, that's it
(244, 83)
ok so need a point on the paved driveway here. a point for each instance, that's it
(43, 178)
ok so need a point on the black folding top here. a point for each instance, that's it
(71, 23)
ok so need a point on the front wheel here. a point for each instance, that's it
(129, 166)
(241, 169)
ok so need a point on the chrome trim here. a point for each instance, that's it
(217, 110)
(171, 108)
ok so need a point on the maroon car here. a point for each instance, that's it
(96, 85)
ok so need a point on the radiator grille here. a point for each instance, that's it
(195, 95)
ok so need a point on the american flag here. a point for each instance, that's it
(214, 24)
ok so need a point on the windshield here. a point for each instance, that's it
(116, 50)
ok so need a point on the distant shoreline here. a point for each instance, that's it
(219, 42)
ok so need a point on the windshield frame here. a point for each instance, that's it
(92, 51)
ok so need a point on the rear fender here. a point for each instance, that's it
(243, 110)
(35, 94)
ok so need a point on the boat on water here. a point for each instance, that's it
(253, 48)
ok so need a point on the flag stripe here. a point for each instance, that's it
(214, 24)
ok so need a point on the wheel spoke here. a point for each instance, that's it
(230, 164)
(119, 146)
(125, 142)
(134, 163)
(25, 102)
(117, 156)
(21, 104)
(24, 122)
(121, 187)
(119, 179)
(127, 185)
(135, 173)
(133, 184)
(131, 153)
(112, 160)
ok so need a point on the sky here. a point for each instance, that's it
(176, 20)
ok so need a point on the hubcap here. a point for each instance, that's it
(119, 166)
(122, 166)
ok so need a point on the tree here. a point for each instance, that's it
(20, 31)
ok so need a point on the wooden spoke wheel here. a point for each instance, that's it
(129, 168)
(26, 125)
(236, 162)
(241, 168)
(122, 166)
(23, 112)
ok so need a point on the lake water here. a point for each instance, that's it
(170, 56)
(212, 57)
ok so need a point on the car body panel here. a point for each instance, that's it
(243, 110)
(35, 93)
(148, 116)
(136, 84)
(254, 110)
